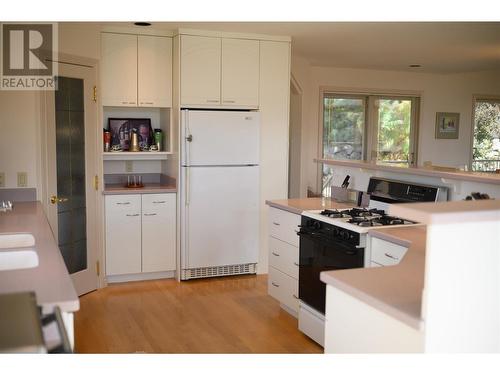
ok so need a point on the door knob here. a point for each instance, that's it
(54, 199)
(189, 138)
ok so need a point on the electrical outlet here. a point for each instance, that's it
(129, 166)
(2, 179)
(22, 179)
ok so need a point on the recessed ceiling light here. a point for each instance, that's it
(142, 24)
(414, 66)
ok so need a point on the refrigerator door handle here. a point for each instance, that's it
(187, 186)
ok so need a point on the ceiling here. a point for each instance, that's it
(439, 47)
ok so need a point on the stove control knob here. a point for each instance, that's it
(344, 235)
(316, 224)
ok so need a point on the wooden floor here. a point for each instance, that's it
(222, 315)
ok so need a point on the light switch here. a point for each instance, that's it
(2, 179)
(129, 166)
(22, 179)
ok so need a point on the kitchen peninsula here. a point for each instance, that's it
(412, 303)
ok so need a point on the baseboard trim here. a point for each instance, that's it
(140, 276)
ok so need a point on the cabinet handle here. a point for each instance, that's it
(122, 202)
(149, 103)
(275, 223)
(296, 264)
(149, 214)
(275, 254)
(229, 101)
(131, 102)
(391, 256)
(132, 214)
(274, 284)
(212, 101)
(158, 202)
(294, 296)
(124, 102)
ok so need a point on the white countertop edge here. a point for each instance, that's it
(409, 320)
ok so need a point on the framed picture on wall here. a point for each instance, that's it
(447, 125)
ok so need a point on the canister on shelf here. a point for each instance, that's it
(107, 140)
(158, 139)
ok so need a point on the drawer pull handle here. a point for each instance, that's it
(275, 223)
(158, 202)
(275, 254)
(122, 202)
(149, 214)
(132, 214)
(294, 296)
(296, 264)
(229, 101)
(391, 256)
(274, 284)
(212, 101)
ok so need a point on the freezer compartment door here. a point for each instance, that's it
(219, 216)
(220, 137)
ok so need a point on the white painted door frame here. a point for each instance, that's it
(70, 66)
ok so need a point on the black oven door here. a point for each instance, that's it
(318, 254)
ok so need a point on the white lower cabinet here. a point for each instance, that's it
(385, 253)
(283, 278)
(140, 233)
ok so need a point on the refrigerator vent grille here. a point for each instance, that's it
(235, 269)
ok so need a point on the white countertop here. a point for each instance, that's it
(50, 280)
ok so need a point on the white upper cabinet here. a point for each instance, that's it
(219, 72)
(136, 70)
(119, 69)
(200, 70)
(154, 57)
(240, 73)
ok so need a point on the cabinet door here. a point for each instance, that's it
(158, 232)
(200, 70)
(154, 56)
(386, 253)
(119, 69)
(240, 73)
(123, 234)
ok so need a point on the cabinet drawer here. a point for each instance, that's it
(386, 253)
(284, 288)
(284, 257)
(123, 204)
(158, 204)
(284, 225)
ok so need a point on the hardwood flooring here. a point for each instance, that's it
(221, 315)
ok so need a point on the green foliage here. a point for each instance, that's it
(487, 128)
(394, 118)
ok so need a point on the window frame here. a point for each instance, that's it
(477, 98)
(369, 136)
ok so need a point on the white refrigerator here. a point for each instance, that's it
(219, 193)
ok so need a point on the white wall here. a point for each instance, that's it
(439, 93)
(18, 139)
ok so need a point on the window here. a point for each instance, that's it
(368, 127)
(486, 143)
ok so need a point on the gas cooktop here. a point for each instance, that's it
(357, 219)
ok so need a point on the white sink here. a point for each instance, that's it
(11, 240)
(18, 258)
(17, 252)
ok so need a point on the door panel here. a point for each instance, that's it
(221, 216)
(240, 72)
(221, 138)
(200, 70)
(70, 135)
